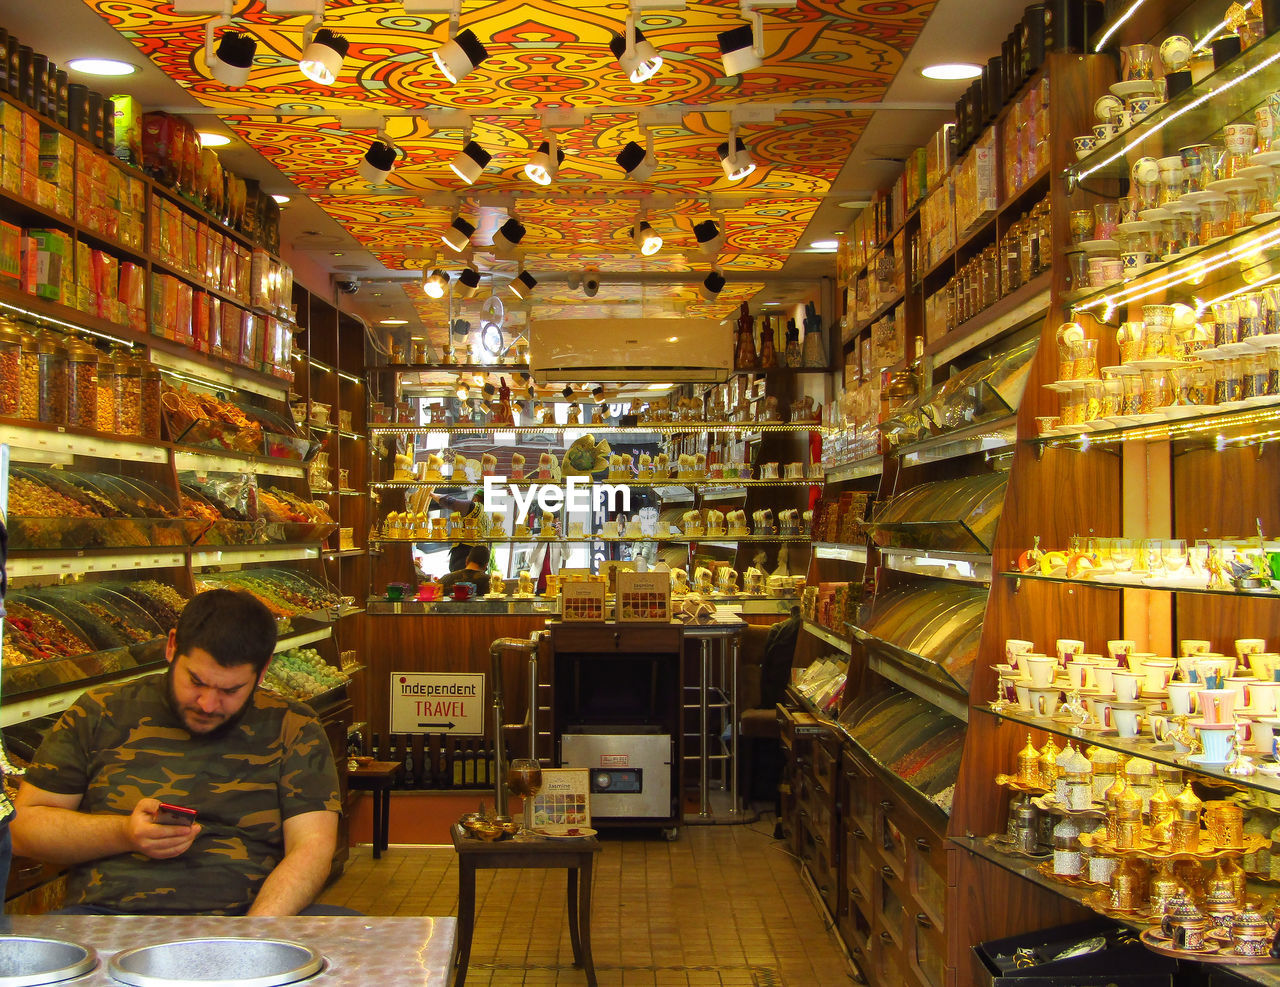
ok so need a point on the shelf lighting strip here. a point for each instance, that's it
(206, 376)
(53, 565)
(51, 320)
(232, 556)
(1194, 104)
(60, 444)
(1188, 428)
(228, 464)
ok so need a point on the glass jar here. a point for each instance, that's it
(52, 360)
(1227, 383)
(990, 276)
(149, 393)
(1252, 315)
(128, 398)
(1253, 379)
(29, 380)
(1226, 322)
(82, 385)
(1013, 256)
(10, 368)
(108, 385)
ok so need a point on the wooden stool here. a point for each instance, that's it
(377, 777)
(574, 855)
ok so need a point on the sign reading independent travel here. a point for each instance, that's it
(438, 702)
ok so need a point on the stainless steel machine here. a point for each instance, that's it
(630, 773)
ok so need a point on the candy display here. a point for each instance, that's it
(302, 673)
(285, 594)
(205, 419)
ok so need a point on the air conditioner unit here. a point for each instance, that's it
(611, 350)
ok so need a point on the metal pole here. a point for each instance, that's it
(499, 744)
(704, 649)
(735, 642)
(533, 705)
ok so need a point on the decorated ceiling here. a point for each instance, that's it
(545, 57)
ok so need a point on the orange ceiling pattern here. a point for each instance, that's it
(549, 55)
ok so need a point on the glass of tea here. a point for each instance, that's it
(524, 778)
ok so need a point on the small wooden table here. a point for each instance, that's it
(377, 777)
(576, 856)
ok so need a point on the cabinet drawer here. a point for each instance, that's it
(927, 874)
(928, 952)
(826, 758)
(611, 638)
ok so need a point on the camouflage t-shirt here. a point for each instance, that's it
(120, 743)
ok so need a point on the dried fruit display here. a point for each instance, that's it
(164, 603)
(302, 673)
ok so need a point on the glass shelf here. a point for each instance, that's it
(856, 470)
(977, 403)
(1140, 746)
(1221, 427)
(56, 441)
(945, 516)
(963, 567)
(845, 553)
(1103, 583)
(250, 554)
(828, 636)
(637, 429)
(984, 437)
(709, 484)
(931, 626)
(80, 563)
(1190, 118)
(727, 540)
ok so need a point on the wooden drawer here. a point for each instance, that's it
(826, 761)
(612, 638)
(927, 959)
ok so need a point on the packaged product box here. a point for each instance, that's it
(44, 197)
(213, 259)
(255, 331)
(935, 317)
(581, 601)
(182, 328)
(200, 322)
(189, 258)
(164, 304)
(10, 176)
(975, 185)
(215, 326)
(244, 267)
(133, 295)
(86, 294)
(938, 155)
(888, 340)
(643, 596)
(106, 271)
(232, 333)
(49, 265)
(10, 254)
(28, 189)
(55, 144)
(126, 116)
(260, 279)
(199, 269)
(11, 120)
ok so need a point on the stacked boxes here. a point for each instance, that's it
(56, 186)
(47, 266)
(976, 196)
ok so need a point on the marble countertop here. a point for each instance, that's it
(380, 950)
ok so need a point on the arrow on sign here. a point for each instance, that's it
(441, 726)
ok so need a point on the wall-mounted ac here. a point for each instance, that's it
(609, 350)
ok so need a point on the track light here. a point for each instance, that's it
(638, 163)
(234, 58)
(567, 393)
(460, 328)
(545, 162)
(469, 163)
(462, 391)
(508, 237)
(646, 238)
(322, 50)
(735, 159)
(636, 56)
(379, 160)
(523, 285)
(712, 285)
(597, 392)
(458, 236)
(710, 237)
(461, 54)
(436, 284)
(468, 283)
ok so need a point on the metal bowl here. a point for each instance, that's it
(216, 962)
(26, 960)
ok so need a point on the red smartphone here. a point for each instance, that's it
(174, 815)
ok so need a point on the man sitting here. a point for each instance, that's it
(475, 571)
(257, 769)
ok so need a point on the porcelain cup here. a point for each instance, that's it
(1187, 668)
(1041, 670)
(1120, 650)
(1044, 702)
(1013, 648)
(1216, 741)
(1128, 684)
(1239, 684)
(1190, 646)
(1022, 690)
(1182, 698)
(1264, 664)
(1103, 678)
(1067, 649)
(1126, 718)
(1138, 660)
(1246, 646)
(1264, 696)
(1158, 672)
(1258, 732)
(1217, 705)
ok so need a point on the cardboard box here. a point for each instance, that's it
(10, 253)
(644, 596)
(581, 601)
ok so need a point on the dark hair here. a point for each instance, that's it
(231, 625)
(479, 554)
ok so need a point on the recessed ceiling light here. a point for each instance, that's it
(824, 245)
(210, 139)
(393, 322)
(282, 199)
(102, 66)
(658, 387)
(854, 204)
(335, 253)
(951, 71)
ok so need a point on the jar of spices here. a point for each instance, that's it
(128, 398)
(52, 360)
(10, 367)
(149, 393)
(28, 379)
(108, 384)
(82, 385)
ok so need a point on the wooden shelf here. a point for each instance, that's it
(1015, 309)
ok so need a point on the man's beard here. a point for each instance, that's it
(222, 729)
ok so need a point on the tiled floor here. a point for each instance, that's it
(723, 905)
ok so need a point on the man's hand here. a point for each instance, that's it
(154, 839)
